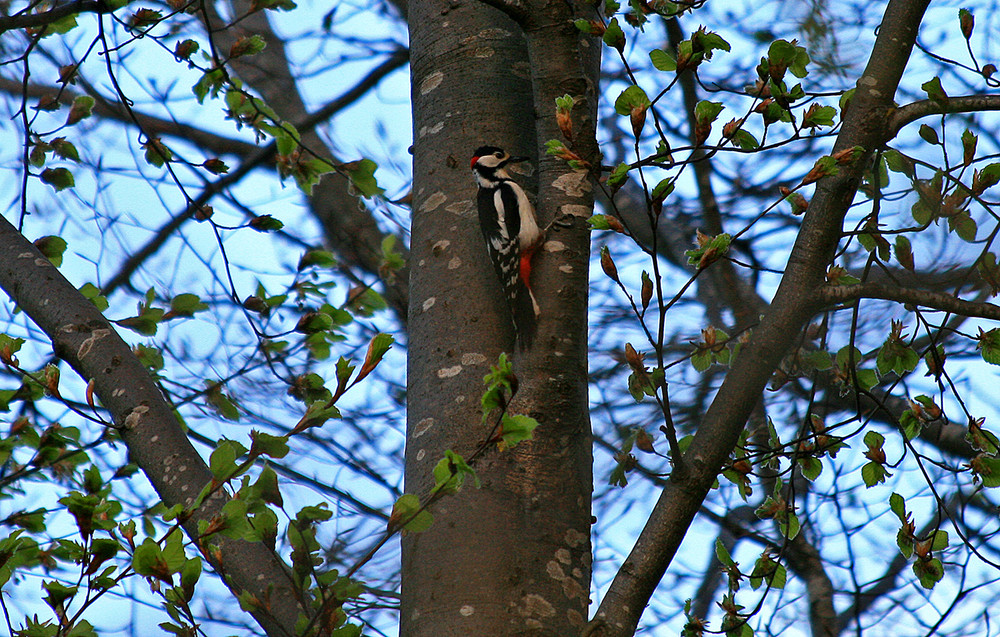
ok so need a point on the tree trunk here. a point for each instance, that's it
(513, 557)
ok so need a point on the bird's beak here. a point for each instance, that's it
(515, 160)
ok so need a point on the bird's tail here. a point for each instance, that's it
(525, 315)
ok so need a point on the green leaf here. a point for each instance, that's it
(934, 91)
(379, 345)
(939, 540)
(317, 258)
(928, 134)
(223, 404)
(873, 474)
(52, 247)
(450, 473)
(61, 26)
(515, 429)
(211, 83)
(817, 116)
(245, 45)
(190, 574)
(186, 305)
(744, 140)
(83, 107)
(663, 189)
(65, 149)
(929, 571)
(316, 414)
(969, 143)
(59, 178)
(265, 223)
(599, 222)
(148, 560)
(662, 60)
(264, 444)
(898, 162)
(499, 385)
(964, 226)
(898, 506)
(722, 553)
(987, 469)
(92, 292)
(362, 176)
(632, 97)
(619, 175)
(614, 36)
(392, 259)
(222, 462)
(157, 154)
(406, 512)
(706, 112)
(711, 251)
(811, 467)
(989, 345)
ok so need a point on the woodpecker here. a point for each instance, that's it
(511, 232)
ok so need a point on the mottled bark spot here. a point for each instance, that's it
(422, 427)
(134, 417)
(449, 372)
(431, 130)
(576, 210)
(431, 82)
(473, 358)
(433, 202)
(536, 605)
(574, 184)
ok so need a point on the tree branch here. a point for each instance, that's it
(924, 108)
(252, 160)
(822, 227)
(828, 295)
(350, 229)
(82, 337)
(149, 124)
(30, 20)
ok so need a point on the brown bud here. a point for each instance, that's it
(647, 290)
(608, 265)
(634, 358)
(644, 441)
(256, 304)
(731, 128)
(565, 123)
(67, 74)
(968, 21)
(638, 118)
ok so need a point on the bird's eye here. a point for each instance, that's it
(498, 155)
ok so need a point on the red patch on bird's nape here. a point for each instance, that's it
(474, 160)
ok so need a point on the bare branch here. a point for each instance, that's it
(924, 108)
(150, 125)
(31, 20)
(829, 295)
(260, 155)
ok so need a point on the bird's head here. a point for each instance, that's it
(489, 164)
